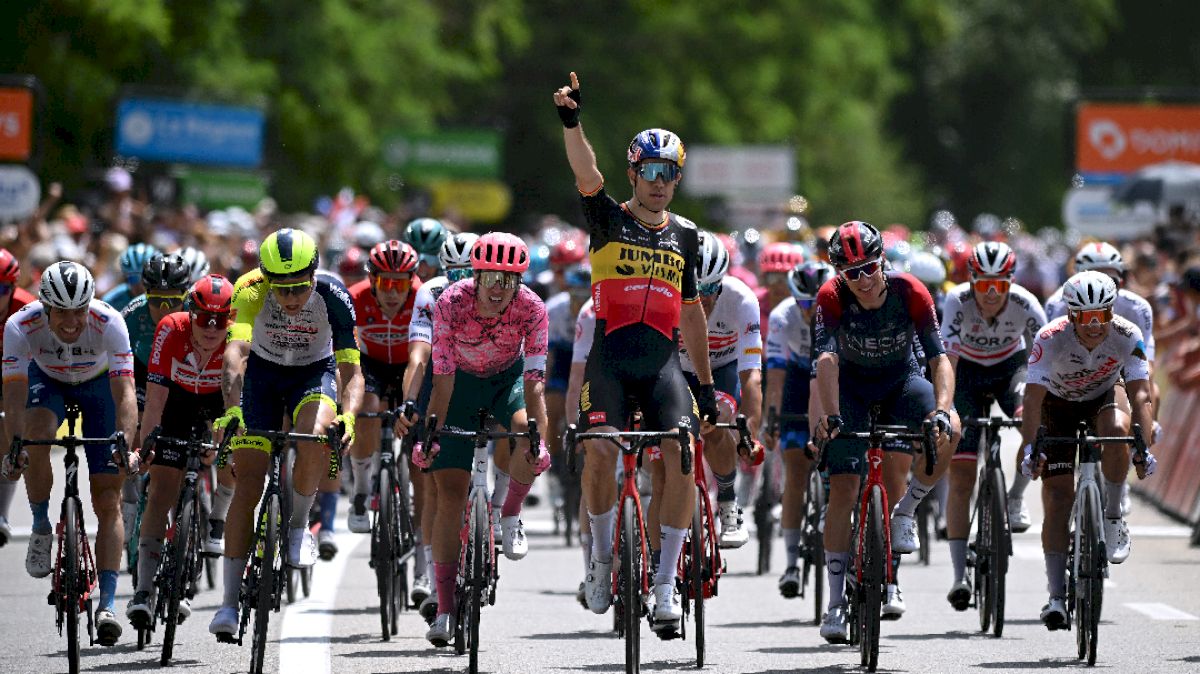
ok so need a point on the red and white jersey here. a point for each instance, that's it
(1058, 361)
(173, 357)
(585, 329)
(970, 336)
(734, 329)
(381, 338)
(103, 345)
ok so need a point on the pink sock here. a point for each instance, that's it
(515, 498)
(444, 574)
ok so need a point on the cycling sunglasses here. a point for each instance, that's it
(6, 288)
(454, 275)
(398, 284)
(709, 289)
(654, 170)
(297, 288)
(505, 279)
(210, 320)
(164, 301)
(867, 269)
(1091, 316)
(806, 304)
(986, 285)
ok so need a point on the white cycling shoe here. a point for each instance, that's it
(1054, 614)
(835, 627)
(302, 548)
(1018, 515)
(904, 533)
(37, 557)
(960, 595)
(108, 629)
(733, 530)
(893, 604)
(421, 589)
(441, 632)
(225, 622)
(667, 611)
(598, 586)
(1116, 539)
(513, 532)
(359, 520)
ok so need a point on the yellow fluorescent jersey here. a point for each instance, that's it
(325, 324)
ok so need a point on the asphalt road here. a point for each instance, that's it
(1151, 623)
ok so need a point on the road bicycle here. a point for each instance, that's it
(812, 539)
(1087, 556)
(631, 580)
(263, 584)
(992, 547)
(393, 540)
(478, 568)
(872, 533)
(74, 578)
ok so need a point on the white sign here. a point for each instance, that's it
(1092, 211)
(19, 193)
(766, 171)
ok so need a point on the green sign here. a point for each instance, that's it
(467, 153)
(221, 189)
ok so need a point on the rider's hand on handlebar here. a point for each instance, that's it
(1146, 467)
(942, 424)
(753, 455)
(828, 426)
(541, 460)
(347, 421)
(1029, 467)
(14, 472)
(403, 423)
(423, 458)
(706, 403)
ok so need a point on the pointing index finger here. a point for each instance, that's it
(574, 81)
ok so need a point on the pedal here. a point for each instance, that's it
(223, 638)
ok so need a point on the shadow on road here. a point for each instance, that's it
(758, 625)
(1036, 664)
(570, 636)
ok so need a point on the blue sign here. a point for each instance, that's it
(190, 133)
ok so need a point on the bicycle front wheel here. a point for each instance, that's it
(984, 555)
(265, 601)
(630, 585)
(874, 575)
(699, 550)
(477, 578)
(1000, 545)
(71, 580)
(764, 521)
(385, 580)
(1090, 590)
(181, 575)
(814, 541)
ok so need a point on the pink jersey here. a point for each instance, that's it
(464, 340)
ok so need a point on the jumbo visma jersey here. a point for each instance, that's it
(641, 275)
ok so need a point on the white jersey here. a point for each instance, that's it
(970, 336)
(420, 328)
(789, 337)
(585, 331)
(561, 321)
(1058, 361)
(102, 346)
(734, 330)
(1130, 306)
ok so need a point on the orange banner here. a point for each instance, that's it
(1121, 138)
(16, 124)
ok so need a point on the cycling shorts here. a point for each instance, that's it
(726, 381)
(796, 386)
(94, 397)
(185, 416)
(636, 363)
(380, 378)
(977, 385)
(1061, 418)
(905, 400)
(502, 395)
(141, 373)
(559, 373)
(271, 390)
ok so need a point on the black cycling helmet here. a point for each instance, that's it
(853, 243)
(166, 272)
(806, 278)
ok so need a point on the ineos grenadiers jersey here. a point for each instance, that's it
(174, 359)
(1070, 371)
(1130, 306)
(968, 335)
(789, 341)
(421, 327)
(381, 338)
(734, 332)
(562, 321)
(323, 328)
(485, 346)
(641, 274)
(102, 345)
(878, 339)
(585, 331)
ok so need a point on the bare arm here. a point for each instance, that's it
(693, 326)
(233, 372)
(1139, 401)
(775, 380)
(579, 152)
(439, 400)
(828, 387)
(351, 396)
(414, 373)
(752, 399)
(535, 405)
(156, 402)
(125, 397)
(942, 374)
(1031, 416)
(574, 386)
(16, 392)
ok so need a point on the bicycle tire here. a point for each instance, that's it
(874, 578)
(699, 557)
(405, 539)
(630, 586)
(180, 573)
(381, 554)
(71, 582)
(1090, 591)
(266, 584)
(924, 514)
(1000, 546)
(763, 521)
(814, 541)
(984, 558)
(477, 579)
(306, 575)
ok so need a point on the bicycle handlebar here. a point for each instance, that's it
(332, 438)
(116, 440)
(1135, 439)
(881, 433)
(775, 419)
(991, 422)
(482, 435)
(681, 434)
(742, 426)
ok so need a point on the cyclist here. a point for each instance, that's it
(735, 355)
(990, 323)
(562, 310)
(643, 261)
(455, 258)
(1076, 366)
(133, 260)
(12, 299)
(183, 395)
(290, 343)
(585, 329)
(774, 263)
(352, 268)
(196, 262)
(489, 352)
(426, 236)
(68, 347)
(868, 325)
(789, 373)
(930, 270)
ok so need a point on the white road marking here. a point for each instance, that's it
(307, 624)
(1160, 611)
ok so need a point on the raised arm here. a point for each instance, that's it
(579, 152)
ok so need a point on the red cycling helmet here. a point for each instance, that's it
(779, 257)
(392, 257)
(212, 293)
(500, 251)
(567, 252)
(10, 269)
(353, 262)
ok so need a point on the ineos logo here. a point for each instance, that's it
(1107, 137)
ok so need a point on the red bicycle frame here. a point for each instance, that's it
(629, 465)
(716, 562)
(86, 563)
(874, 479)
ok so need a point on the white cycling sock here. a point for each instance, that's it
(234, 568)
(8, 488)
(428, 557)
(941, 491)
(221, 499)
(1056, 573)
(835, 574)
(912, 498)
(602, 535)
(362, 475)
(791, 544)
(149, 553)
(1113, 491)
(419, 559)
(672, 545)
(1020, 482)
(500, 481)
(585, 542)
(301, 504)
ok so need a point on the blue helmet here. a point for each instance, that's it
(656, 144)
(134, 258)
(539, 261)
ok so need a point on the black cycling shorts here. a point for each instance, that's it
(186, 415)
(380, 378)
(905, 398)
(1061, 418)
(977, 385)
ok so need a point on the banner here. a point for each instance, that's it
(1112, 140)
(465, 153)
(16, 124)
(189, 133)
(221, 189)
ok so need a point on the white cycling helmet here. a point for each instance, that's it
(456, 250)
(197, 263)
(66, 285)
(714, 260)
(992, 258)
(927, 267)
(1089, 290)
(1101, 255)
(367, 234)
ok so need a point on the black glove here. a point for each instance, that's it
(706, 401)
(941, 419)
(570, 116)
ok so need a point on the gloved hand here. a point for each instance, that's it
(541, 462)
(1028, 465)
(755, 455)
(1148, 466)
(347, 421)
(941, 419)
(423, 458)
(232, 413)
(569, 115)
(11, 471)
(706, 402)
(1156, 434)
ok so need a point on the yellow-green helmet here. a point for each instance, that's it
(288, 252)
